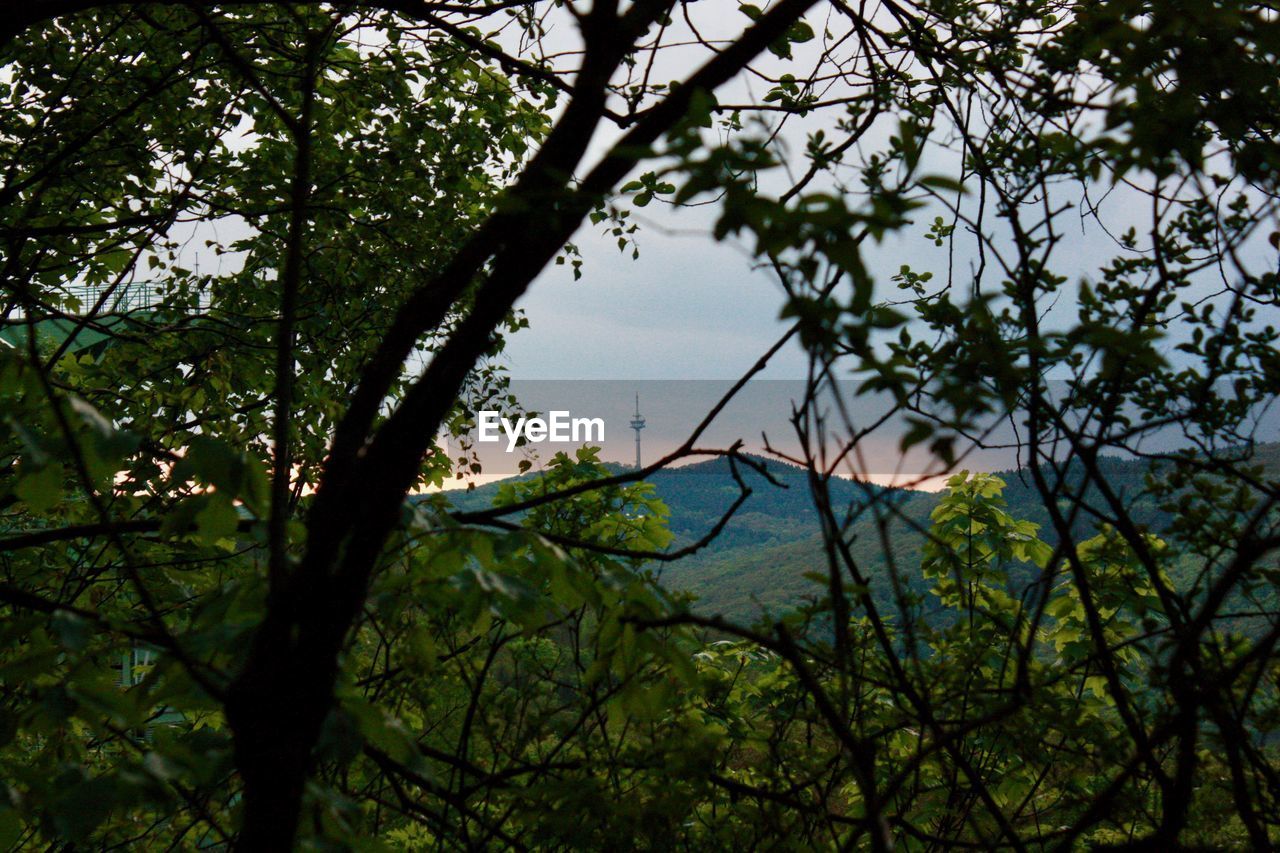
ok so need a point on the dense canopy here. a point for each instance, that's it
(257, 256)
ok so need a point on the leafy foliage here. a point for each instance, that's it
(227, 624)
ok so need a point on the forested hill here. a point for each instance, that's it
(760, 560)
(775, 541)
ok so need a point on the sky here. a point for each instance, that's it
(688, 308)
(692, 308)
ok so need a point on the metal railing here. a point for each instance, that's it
(80, 300)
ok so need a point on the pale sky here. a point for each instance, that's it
(688, 308)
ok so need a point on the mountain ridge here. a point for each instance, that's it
(763, 560)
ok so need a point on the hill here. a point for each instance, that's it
(764, 558)
(759, 561)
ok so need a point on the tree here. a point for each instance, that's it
(221, 478)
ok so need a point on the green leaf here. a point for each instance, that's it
(10, 828)
(800, 32)
(217, 520)
(42, 489)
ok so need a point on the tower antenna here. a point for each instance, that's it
(637, 424)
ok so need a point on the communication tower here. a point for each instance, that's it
(637, 424)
